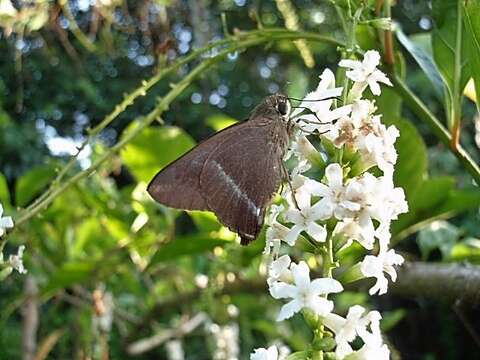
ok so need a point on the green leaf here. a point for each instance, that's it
(412, 162)
(220, 121)
(472, 26)
(206, 221)
(391, 318)
(4, 192)
(31, 183)
(449, 50)
(186, 245)
(437, 235)
(68, 274)
(389, 104)
(435, 198)
(423, 58)
(431, 194)
(299, 355)
(153, 149)
(467, 250)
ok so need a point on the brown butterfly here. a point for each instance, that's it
(235, 173)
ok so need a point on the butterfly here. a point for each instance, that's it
(234, 173)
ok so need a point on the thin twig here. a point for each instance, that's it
(140, 346)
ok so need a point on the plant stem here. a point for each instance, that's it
(456, 110)
(420, 109)
(77, 32)
(388, 40)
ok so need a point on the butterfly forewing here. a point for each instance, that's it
(178, 185)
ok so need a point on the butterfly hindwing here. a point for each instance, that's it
(239, 179)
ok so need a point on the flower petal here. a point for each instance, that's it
(289, 309)
(319, 305)
(317, 232)
(334, 175)
(281, 290)
(325, 286)
(301, 275)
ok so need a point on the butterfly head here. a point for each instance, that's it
(274, 107)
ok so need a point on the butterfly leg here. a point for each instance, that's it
(287, 177)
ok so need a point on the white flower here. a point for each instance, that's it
(333, 202)
(275, 232)
(175, 350)
(303, 149)
(201, 280)
(305, 293)
(7, 9)
(376, 198)
(265, 354)
(304, 219)
(388, 201)
(347, 329)
(16, 261)
(364, 132)
(365, 73)
(368, 352)
(322, 117)
(226, 342)
(352, 230)
(279, 270)
(6, 222)
(375, 266)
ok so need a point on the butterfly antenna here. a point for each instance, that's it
(313, 100)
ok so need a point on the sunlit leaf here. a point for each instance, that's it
(186, 245)
(219, 121)
(153, 149)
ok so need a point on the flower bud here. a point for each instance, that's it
(381, 23)
(324, 344)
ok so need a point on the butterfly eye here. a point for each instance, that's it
(282, 108)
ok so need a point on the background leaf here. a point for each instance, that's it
(412, 162)
(155, 148)
(423, 58)
(472, 26)
(32, 182)
(186, 245)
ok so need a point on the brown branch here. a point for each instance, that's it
(162, 308)
(185, 328)
(30, 319)
(449, 282)
(435, 281)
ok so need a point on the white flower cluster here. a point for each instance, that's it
(272, 353)
(359, 205)
(226, 341)
(14, 261)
